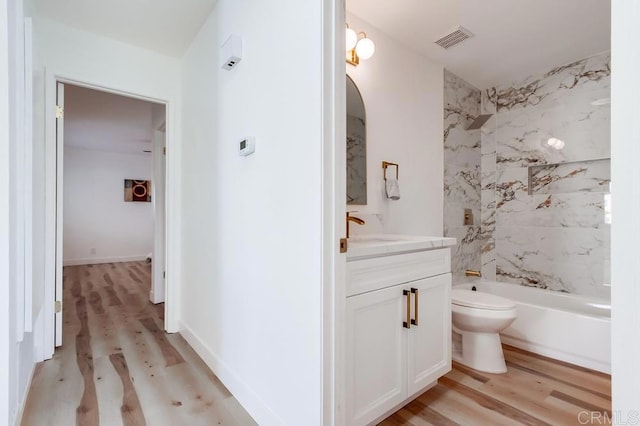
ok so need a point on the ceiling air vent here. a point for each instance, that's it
(453, 37)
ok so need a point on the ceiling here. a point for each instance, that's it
(513, 38)
(106, 122)
(164, 26)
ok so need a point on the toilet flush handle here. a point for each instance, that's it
(415, 305)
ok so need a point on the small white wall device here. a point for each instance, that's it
(231, 52)
(247, 146)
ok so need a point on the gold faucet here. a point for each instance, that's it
(472, 273)
(353, 219)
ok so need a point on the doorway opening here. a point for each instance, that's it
(110, 203)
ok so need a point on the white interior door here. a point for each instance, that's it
(157, 294)
(58, 196)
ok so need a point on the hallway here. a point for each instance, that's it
(117, 366)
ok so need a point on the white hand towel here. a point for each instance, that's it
(393, 189)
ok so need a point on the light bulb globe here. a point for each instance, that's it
(365, 48)
(351, 39)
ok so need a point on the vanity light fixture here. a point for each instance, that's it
(358, 45)
(351, 38)
(365, 47)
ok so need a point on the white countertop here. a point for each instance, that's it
(375, 245)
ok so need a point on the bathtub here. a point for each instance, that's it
(567, 327)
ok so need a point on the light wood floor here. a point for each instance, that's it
(117, 366)
(535, 391)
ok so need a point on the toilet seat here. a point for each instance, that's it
(480, 300)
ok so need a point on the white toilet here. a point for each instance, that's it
(479, 318)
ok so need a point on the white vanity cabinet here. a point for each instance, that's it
(429, 342)
(398, 337)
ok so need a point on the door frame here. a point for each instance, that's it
(333, 210)
(54, 179)
(158, 264)
(625, 227)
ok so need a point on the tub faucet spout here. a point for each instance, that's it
(472, 273)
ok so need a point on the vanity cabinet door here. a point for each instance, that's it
(376, 365)
(429, 342)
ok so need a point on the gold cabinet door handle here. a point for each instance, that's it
(407, 323)
(415, 305)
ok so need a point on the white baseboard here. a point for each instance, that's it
(23, 403)
(254, 405)
(97, 260)
(155, 299)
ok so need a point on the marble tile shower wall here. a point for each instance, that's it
(462, 172)
(552, 235)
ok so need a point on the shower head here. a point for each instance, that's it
(479, 121)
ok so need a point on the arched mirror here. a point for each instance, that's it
(356, 146)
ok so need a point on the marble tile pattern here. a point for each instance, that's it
(488, 138)
(462, 171)
(593, 176)
(356, 161)
(552, 235)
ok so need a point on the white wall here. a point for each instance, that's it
(158, 116)
(252, 271)
(625, 227)
(17, 348)
(38, 186)
(6, 322)
(101, 62)
(103, 121)
(403, 97)
(96, 217)
(106, 62)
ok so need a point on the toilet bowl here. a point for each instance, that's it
(479, 318)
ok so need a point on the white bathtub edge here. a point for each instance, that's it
(556, 354)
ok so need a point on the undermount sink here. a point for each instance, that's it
(374, 245)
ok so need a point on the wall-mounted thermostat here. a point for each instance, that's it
(231, 52)
(247, 146)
